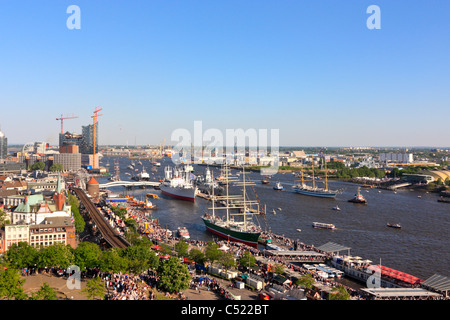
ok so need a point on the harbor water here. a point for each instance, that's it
(420, 247)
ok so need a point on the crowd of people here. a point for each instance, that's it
(135, 287)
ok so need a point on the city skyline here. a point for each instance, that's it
(315, 71)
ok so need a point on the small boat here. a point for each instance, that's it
(279, 209)
(265, 181)
(337, 208)
(299, 230)
(183, 233)
(397, 226)
(274, 212)
(441, 199)
(358, 198)
(322, 225)
(278, 186)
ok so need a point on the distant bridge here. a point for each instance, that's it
(129, 184)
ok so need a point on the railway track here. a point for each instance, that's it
(105, 229)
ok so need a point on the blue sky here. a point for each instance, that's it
(311, 69)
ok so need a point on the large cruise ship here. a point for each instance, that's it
(178, 184)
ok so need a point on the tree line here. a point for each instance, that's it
(173, 274)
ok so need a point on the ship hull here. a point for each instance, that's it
(178, 193)
(318, 194)
(248, 238)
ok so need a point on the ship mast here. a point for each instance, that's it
(212, 195)
(228, 196)
(301, 170)
(312, 167)
(326, 174)
(245, 207)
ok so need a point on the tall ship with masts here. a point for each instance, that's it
(314, 190)
(236, 224)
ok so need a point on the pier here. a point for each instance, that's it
(129, 184)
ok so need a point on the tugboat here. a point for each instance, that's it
(278, 186)
(441, 199)
(358, 198)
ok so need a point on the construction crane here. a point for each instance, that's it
(95, 123)
(63, 118)
(161, 147)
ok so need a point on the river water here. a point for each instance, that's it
(420, 247)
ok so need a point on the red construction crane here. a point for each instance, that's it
(62, 118)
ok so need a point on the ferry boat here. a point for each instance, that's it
(243, 230)
(322, 225)
(321, 192)
(358, 198)
(178, 184)
(142, 176)
(362, 270)
(278, 186)
(183, 233)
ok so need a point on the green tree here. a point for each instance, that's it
(78, 218)
(279, 268)
(87, 255)
(11, 285)
(197, 255)
(339, 293)
(306, 280)
(247, 260)
(174, 276)
(44, 293)
(3, 218)
(21, 255)
(94, 289)
(181, 247)
(212, 252)
(140, 258)
(227, 260)
(38, 166)
(57, 254)
(56, 167)
(112, 260)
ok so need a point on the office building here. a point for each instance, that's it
(3, 146)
